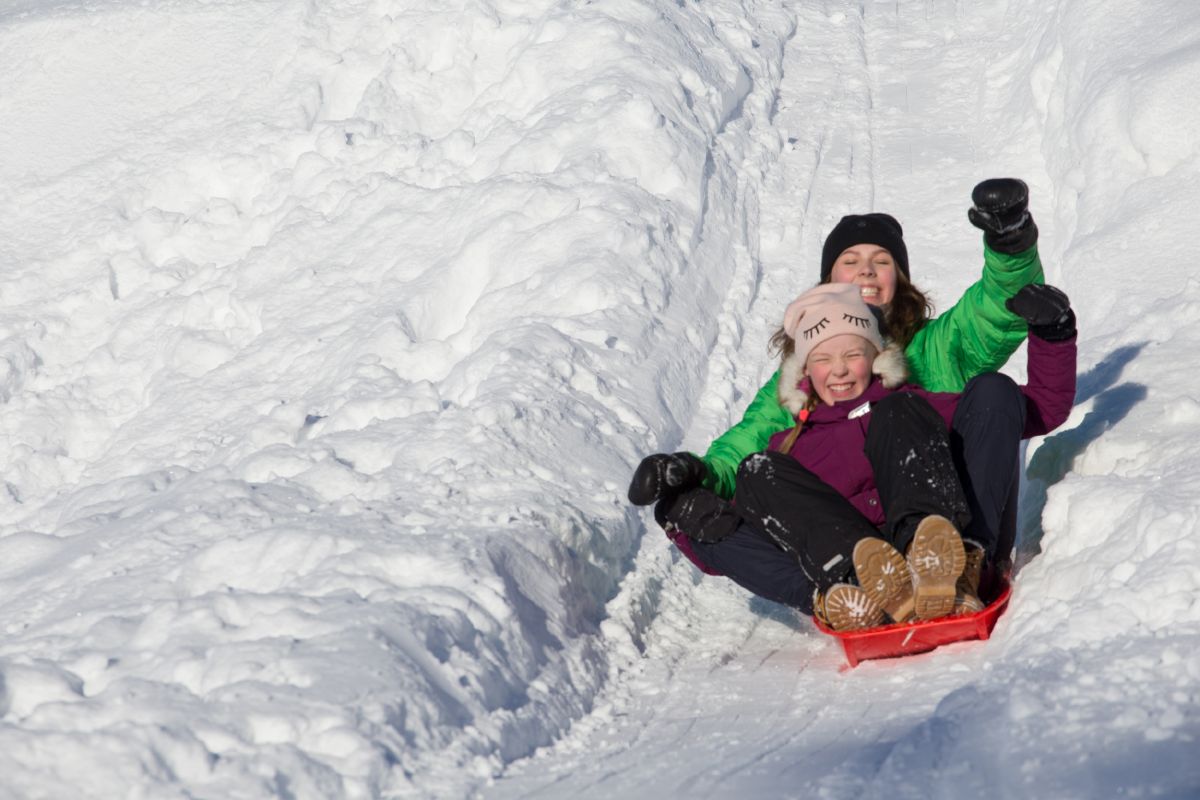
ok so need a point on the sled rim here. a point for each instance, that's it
(900, 639)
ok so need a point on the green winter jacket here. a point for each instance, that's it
(977, 335)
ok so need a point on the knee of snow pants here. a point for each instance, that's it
(788, 504)
(909, 450)
(758, 565)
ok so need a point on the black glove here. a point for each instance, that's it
(699, 513)
(660, 475)
(1001, 211)
(1046, 309)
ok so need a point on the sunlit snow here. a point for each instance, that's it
(331, 332)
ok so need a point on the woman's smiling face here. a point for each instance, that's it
(839, 368)
(871, 268)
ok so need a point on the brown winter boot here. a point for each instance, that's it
(884, 575)
(967, 604)
(936, 558)
(966, 600)
(819, 608)
(848, 608)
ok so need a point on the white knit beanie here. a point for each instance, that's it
(829, 310)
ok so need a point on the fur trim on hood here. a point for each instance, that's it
(890, 365)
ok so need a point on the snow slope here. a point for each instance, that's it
(1089, 685)
(331, 332)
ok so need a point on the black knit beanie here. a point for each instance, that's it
(876, 228)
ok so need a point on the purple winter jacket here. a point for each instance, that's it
(831, 442)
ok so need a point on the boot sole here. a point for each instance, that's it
(849, 608)
(936, 558)
(884, 575)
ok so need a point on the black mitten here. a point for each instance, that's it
(699, 513)
(1001, 211)
(1046, 309)
(661, 475)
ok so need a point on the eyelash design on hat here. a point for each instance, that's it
(861, 322)
(815, 329)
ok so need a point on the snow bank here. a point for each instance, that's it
(330, 333)
(327, 340)
(1088, 686)
(1093, 691)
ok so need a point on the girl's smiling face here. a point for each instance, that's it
(839, 368)
(871, 268)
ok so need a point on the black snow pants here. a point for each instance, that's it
(985, 438)
(797, 533)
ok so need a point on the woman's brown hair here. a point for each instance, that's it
(907, 313)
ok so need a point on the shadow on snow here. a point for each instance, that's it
(1054, 459)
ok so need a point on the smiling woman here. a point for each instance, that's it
(868, 251)
(864, 274)
(976, 335)
(871, 268)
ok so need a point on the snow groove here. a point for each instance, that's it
(331, 333)
(897, 107)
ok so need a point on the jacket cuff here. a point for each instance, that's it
(1013, 242)
(1056, 331)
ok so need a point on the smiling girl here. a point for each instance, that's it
(866, 493)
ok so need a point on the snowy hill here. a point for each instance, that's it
(330, 334)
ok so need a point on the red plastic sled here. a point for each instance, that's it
(908, 638)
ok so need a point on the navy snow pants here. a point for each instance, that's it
(797, 533)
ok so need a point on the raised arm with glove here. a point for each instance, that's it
(1001, 211)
